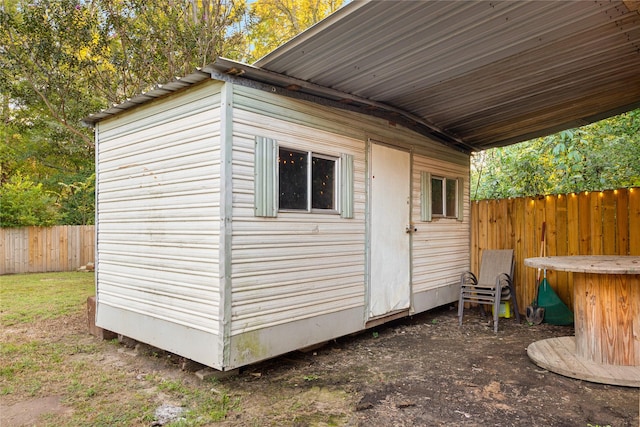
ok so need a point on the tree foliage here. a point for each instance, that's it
(273, 22)
(25, 203)
(64, 59)
(155, 41)
(599, 156)
(61, 60)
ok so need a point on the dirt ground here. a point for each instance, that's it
(419, 371)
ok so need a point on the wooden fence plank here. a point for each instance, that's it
(562, 246)
(584, 223)
(3, 251)
(573, 226)
(596, 223)
(520, 253)
(474, 237)
(483, 237)
(532, 246)
(64, 248)
(634, 221)
(560, 286)
(492, 242)
(510, 232)
(609, 229)
(52, 252)
(622, 221)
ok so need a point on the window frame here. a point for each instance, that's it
(310, 154)
(427, 205)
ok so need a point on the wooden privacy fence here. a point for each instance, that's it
(588, 223)
(42, 249)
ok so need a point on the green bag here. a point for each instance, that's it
(555, 311)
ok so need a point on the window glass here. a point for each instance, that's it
(452, 193)
(298, 190)
(323, 173)
(292, 170)
(437, 204)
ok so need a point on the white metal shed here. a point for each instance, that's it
(200, 252)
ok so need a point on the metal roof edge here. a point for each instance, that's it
(229, 70)
(291, 86)
(158, 91)
(571, 124)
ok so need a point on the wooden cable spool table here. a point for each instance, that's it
(606, 345)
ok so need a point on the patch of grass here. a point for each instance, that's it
(319, 418)
(24, 367)
(100, 395)
(29, 297)
(45, 353)
(59, 361)
(106, 398)
(203, 405)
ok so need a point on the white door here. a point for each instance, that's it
(390, 206)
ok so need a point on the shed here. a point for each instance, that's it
(247, 211)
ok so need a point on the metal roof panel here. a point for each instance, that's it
(475, 68)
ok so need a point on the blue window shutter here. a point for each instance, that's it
(266, 177)
(460, 199)
(346, 181)
(425, 196)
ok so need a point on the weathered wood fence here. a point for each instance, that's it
(43, 249)
(588, 223)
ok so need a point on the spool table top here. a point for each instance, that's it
(594, 264)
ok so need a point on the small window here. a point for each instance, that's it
(441, 197)
(444, 197)
(306, 180)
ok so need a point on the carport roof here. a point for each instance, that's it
(470, 74)
(483, 73)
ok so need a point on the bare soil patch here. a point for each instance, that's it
(424, 370)
(429, 371)
(27, 412)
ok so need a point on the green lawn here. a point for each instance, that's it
(29, 297)
(46, 350)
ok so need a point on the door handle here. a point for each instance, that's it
(410, 229)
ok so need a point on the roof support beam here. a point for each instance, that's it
(292, 87)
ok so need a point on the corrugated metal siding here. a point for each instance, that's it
(440, 247)
(158, 198)
(298, 265)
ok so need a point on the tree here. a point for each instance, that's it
(76, 200)
(25, 203)
(44, 46)
(45, 78)
(62, 60)
(602, 155)
(155, 41)
(273, 22)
